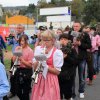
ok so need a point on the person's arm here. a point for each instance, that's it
(87, 44)
(98, 40)
(58, 63)
(4, 85)
(72, 58)
(53, 70)
(37, 51)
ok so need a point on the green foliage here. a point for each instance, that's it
(62, 3)
(92, 11)
(77, 7)
(7, 63)
(8, 14)
(93, 23)
(3, 18)
(54, 1)
(31, 9)
(59, 3)
(9, 48)
(42, 4)
(83, 10)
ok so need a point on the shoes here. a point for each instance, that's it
(10, 95)
(5, 98)
(70, 99)
(94, 76)
(74, 96)
(90, 82)
(81, 95)
(87, 79)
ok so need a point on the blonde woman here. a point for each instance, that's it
(47, 88)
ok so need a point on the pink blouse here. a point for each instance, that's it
(95, 42)
(27, 55)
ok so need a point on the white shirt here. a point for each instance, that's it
(57, 57)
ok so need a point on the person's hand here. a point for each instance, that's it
(21, 60)
(64, 55)
(44, 64)
(19, 48)
(97, 44)
(45, 68)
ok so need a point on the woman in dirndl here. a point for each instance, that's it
(47, 86)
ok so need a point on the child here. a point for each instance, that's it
(66, 77)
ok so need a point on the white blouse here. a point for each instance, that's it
(57, 57)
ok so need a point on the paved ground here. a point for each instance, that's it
(91, 92)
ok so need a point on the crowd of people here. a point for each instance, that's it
(54, 79)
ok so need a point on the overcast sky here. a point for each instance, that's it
(18, 2)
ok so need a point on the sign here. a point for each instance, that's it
(4, 32)
(54, 11)
(61, 18)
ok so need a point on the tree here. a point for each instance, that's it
(22, 12)
(41, 4)
(92, 11)
(61, 3)
(31, 8)
(54, 1)
(77, 7)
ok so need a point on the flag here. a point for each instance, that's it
(4, 32)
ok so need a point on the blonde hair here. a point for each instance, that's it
(48, 34)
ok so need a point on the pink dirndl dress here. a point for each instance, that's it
(47, 89)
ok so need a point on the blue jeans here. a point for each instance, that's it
(95, 59)
(81, 72)
(98, 63)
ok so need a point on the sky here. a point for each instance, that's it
(5, 3)
(17, 2)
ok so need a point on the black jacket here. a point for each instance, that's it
(69, 66)
(85, 44)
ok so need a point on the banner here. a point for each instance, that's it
(4, 32)
(54, 11)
